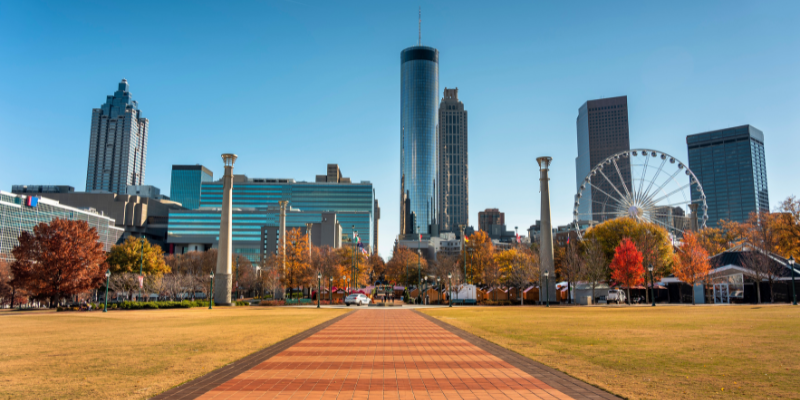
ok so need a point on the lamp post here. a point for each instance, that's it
(330, 290)
(438, 283)
(319, 286)
(652, 284)
(419, 274)
(211, 291)
(108, 277)
(426, 289)
(450, 296)
(794, 295)
(464, 246)
(547, 286)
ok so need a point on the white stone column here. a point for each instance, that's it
(282, 232)
(223, 280)
(546, 237)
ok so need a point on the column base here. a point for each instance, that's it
(223, 283)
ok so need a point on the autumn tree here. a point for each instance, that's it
(347, 256)
(571, 268)
(691, 262)
(714, 240)
(10, 292)
(789, 228)
(610, 233)
(480, 255)
(626, 266)
(326, 260)
(405, 266)
(298, 263)
(134, 253)
(595, 264)
(519, 266)
(376, 266)
(62, 258)
(448, 264)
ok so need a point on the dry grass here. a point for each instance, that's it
(679, 352)
(134, 354)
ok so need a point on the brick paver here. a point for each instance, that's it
(385, 354)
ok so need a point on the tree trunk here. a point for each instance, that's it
(693, 300)
(594, 284)
(569, 293)
(771, 291)
(629, 296)
(758, 291)
(13, 296)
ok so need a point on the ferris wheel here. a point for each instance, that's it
(646, 185)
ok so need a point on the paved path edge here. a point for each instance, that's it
(558, 380)
(197, 387)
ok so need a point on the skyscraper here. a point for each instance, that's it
(453, 172)
(118, 144)
(732, 169)
(602, 132)
(186, 182)
(419, 91)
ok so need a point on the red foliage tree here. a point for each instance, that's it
(626, 267)
(62, 258)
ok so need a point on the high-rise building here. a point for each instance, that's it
(117, 145)
(489, 217)
(602, 132)
(186, 183)
(255, 205)
(419, 92)
(453, 163)
(731, 168)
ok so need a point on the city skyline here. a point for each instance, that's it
(696, 73)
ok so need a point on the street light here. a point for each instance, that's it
(330, 291)
(141, 268)
(211, 291)
(547, 286)
(794, 295)
(438, 280)
(108, 276)
(319, 286)
(652, 284)
(450, 296)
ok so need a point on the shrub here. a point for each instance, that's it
(272, 303)
(242, 303)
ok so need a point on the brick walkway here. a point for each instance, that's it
(388, 354)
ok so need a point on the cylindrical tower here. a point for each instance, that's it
(419, 91)
(546, 261)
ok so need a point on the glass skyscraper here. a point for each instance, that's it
(602, 132)
(419, 120)
(187, 180)
(453, 163)
(731, 167)
(118, 144)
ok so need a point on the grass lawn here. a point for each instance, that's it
(666, 352)
(134, 354)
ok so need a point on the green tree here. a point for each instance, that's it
(650, 239)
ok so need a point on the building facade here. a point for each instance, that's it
(117, 144)
(419, 92)
(255, 201)
(19, 214)
(453, 163)
(731, 167)
(186, 183)
(37, 189)
(602, 127)
(137, 216)
(490, 216)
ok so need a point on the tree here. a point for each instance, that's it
(480, 255)
(596, 267)
(298, 264)
(519, 267)
(10, 292)
(610, 233)
(572, 267)
(62, 258)
(345, 260)
(402, 267)
(691, 262)
(128, 257)
(376, 266)
(714, 240)
(448, 264)
(789, 228)
(626, 267)
(761, 267)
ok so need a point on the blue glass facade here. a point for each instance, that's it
(186, 183)
(255, 204)
(419, 90)
(731, 167)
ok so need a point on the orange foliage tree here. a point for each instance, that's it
(480, 256)
(403, 267)
(691, 263)
(62, 258)
(298, 260)
(626, 267)
(346, 259)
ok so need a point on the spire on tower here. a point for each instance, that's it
(420, 27)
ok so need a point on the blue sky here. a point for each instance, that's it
(293, 85)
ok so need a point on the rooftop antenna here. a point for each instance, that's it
(420, 27)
